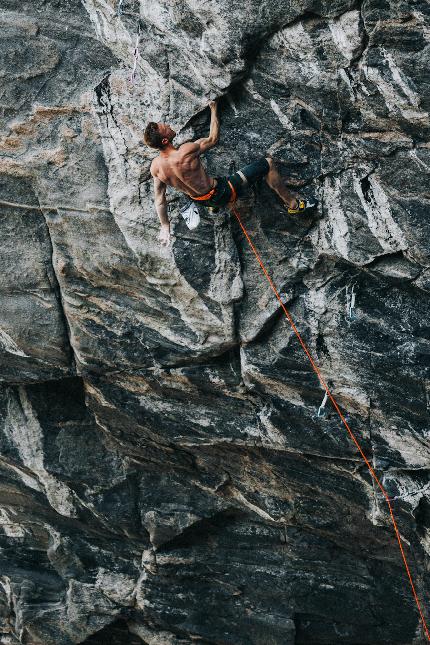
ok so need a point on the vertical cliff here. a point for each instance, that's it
(164, 475)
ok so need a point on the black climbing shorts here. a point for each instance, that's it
(240, 180)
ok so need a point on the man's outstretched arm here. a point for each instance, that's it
(161, 208)
(209, 142)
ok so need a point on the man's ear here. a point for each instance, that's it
(164, 141)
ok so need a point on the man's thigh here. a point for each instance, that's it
(249, 174)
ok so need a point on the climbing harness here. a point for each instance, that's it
(135, 56)
(203, 198)
(330, 396)
(211, 193)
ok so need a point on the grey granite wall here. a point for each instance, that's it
(164, 476)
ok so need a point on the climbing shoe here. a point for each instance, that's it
(303, 206)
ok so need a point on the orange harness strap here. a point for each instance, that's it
(342, 418)
(233, 193)
(203, 198)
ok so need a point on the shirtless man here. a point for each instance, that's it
(182, 169)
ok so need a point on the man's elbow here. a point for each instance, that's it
(211, 142)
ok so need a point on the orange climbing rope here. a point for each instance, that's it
(338, 410)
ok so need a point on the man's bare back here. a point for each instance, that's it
(182, 169)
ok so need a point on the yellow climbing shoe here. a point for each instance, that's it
(302, 207)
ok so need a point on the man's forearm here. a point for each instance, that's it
(214, 128)
(161, 208)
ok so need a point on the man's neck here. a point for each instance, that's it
(167, 150)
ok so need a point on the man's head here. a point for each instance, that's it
(158, 135)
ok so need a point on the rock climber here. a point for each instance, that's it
(182, 169)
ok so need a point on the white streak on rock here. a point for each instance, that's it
(344, 77)
(298, 44)
(286, 122)
(233, 105)
(153, 636)
(236, 494)
(109, 27)
(413, 448)
(398, 78)
(408, 491)
(12, 529)
(26, 479)
(9, 345)
(316, 303)
(337, 224)
(389, 94)
(250, 87)
(379, 217)
(420, 162)
(395, 101)
(345, 32)
(272, 435)
(24, 431)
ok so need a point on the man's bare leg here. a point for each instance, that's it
(276, 183)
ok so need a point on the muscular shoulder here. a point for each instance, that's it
(154, 167)
(189, 148)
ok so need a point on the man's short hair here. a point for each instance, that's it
(152, 136)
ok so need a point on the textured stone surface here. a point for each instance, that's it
(164, 475)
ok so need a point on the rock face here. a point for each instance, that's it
(165, 476)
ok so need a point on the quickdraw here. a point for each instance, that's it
(135, 57)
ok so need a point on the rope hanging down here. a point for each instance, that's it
(341, 416)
